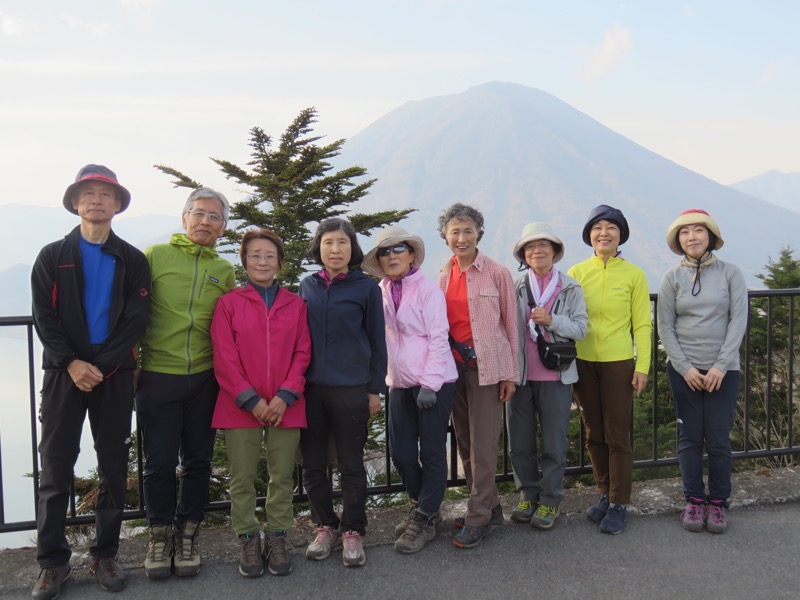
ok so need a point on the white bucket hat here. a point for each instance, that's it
(388, 237)
(538, 231)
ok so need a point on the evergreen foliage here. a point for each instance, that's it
(292, 187)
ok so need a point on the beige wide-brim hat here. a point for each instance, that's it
(693, 216)
(537, 231)
(388, 237)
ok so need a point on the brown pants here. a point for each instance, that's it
(604, 394)
(478, 421)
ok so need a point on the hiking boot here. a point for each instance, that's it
(496, 518)
(48, 583)
(407, 520)
(250, 562)
(716, 518)
(353, 549)
(470, 537)
(109, 574)
(523, 512)
(692, 516)
(160, 549)
(614, 520)
(327, 538)
(421, 531)
(187, 554)
(597, 512)
(544, 517)
(277, 553)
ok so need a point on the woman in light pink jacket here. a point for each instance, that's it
(262, 347)
(421, 379)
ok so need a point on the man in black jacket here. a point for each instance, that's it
(90, 295)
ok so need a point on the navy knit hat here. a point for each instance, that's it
(604, 212)
(96, 173)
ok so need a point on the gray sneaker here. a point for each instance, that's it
(250, 562)
(160, 549)
(327, 538)
(48, 583)
(353, 554)
(544, 517)
(523, 512)
(421, 531)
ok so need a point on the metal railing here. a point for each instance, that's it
(760, 405)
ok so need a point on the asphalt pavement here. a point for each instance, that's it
(654, 558)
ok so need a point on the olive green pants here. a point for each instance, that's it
(244, 451)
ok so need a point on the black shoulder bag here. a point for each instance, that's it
(556, 356)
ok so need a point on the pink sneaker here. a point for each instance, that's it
(716, 519)
(692, 517)
(353, 549)
(327, 538)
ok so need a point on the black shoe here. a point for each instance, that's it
(614, 520)
(48, 584)
(470, 537)
(496, 518)
(598, 511)
(109, 574)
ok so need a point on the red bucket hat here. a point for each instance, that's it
(96, 173)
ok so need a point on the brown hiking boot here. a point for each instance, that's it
(250, 562)
(48, 583)
(421, 531)
(277, 553)
(109, 574)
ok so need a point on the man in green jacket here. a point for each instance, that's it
(177, 390)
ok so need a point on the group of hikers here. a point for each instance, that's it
(297, 377)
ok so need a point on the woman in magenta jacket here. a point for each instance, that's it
(262, 347)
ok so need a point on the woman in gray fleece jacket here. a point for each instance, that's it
(702, 316)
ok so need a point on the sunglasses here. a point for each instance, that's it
(398, 249)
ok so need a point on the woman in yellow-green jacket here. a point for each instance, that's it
(618, 304)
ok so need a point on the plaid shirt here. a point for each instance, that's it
(493, 318)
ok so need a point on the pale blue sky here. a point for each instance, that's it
(711, 85)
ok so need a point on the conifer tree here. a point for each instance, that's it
(293, 187)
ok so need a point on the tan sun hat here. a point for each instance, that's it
(538, 231)
(693, 216)
(388, 237)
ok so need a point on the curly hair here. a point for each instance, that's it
(460, 212)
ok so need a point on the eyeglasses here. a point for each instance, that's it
(398, 249)
(200, 215)
(257, 258)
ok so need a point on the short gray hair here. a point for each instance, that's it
(200, 193)
(460, 212)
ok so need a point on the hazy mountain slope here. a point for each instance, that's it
(521, 155)
(778, 188)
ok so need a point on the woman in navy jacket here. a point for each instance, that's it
(343, 383)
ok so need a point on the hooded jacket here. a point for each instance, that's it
(416, 335)
(259, 349)
(187, 281)
(347, 331)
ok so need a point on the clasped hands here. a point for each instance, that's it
(269, 413)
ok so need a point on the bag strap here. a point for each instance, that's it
(531, 301)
